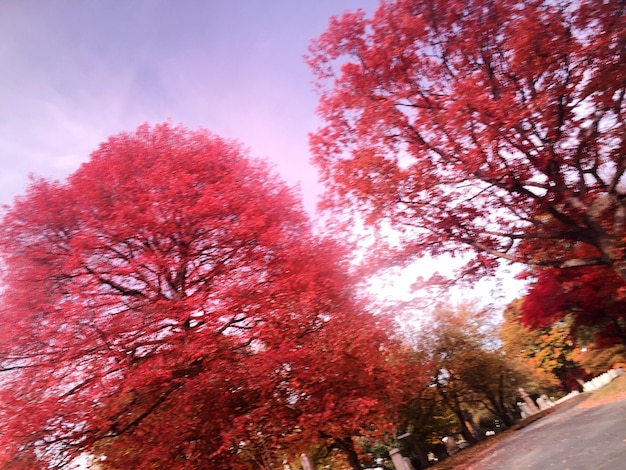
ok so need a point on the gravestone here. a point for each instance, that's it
(411, 448)
(544, 402)
(451, 445)
(399, 461)
(531, 407)
(306, 462)
(523, 409)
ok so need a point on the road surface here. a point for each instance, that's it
(572, 438)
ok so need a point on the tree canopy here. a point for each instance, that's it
(593, 297)
(549, 350)
(495, 129)
(168, 305)
(467, 368)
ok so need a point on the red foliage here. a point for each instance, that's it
(473, 126)
(595, 296)
(168, 303)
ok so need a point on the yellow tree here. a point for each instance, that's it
(547, 351)
(468, 368)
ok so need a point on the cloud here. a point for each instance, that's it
(75, 73)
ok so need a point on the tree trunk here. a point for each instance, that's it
(452, 402)
(465, 432)
(347, 445)
(499, 409)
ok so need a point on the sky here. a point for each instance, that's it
(76, 72)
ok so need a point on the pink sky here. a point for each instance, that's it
(74, 73)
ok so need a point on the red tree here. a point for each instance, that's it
(594, 296)
(166, 300)
(473, 126)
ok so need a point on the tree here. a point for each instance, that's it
(168, 305)
(592, 297)
(344, 387)
(493, 129)
(467, 369)
(550, 350)
(428, 418)
(596, 361)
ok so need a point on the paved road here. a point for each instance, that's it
(572, 438)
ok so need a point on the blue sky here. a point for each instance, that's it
(76, 72)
